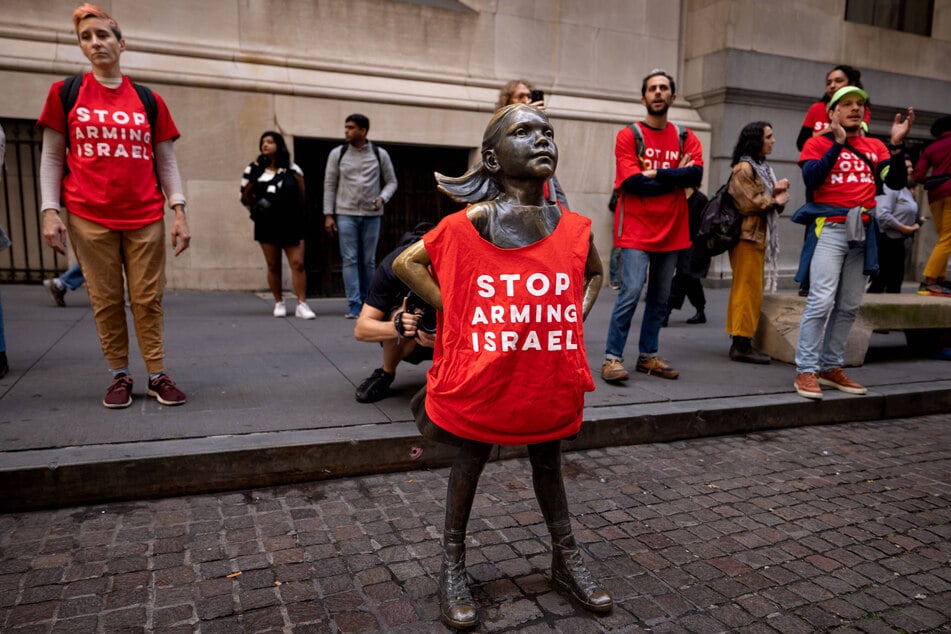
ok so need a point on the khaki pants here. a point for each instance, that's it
(104, 255)
(746, 292)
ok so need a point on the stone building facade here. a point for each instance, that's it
(427, 73)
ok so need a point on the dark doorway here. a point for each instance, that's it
(416, 200)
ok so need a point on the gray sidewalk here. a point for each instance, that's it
(271, 401)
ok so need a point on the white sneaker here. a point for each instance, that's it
(280, 310)
(304, 311)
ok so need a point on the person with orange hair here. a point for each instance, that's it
(107, 154)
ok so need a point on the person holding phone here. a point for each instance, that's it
(816, 121)
(522, 91)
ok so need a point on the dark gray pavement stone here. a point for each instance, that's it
(362, 554)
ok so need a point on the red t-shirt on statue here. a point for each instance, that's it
(509, 366)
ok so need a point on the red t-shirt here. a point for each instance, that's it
(652, 223)
(851, 182)
(111, 178)
(509, 366)
(817, 118)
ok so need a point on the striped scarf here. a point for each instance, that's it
(771, 266)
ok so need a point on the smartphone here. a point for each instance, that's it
(537, 95)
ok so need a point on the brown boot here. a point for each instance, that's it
(571, 577)
(457, 608)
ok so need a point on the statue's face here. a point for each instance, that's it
(527, 147)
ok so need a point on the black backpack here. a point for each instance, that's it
(720, 223)
(69, 92)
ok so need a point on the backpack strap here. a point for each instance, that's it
(639, 138)
(639, 152)
(147, 97)
(638, 142)
(379, 163)
(376, 152)
(682, 136)
(69, 93)
(879, 182)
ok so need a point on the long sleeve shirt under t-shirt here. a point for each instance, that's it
(351, 186)
(652, 212)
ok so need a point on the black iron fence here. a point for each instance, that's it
(27, 260)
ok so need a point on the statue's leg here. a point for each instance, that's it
(569, 574)
(456, 606)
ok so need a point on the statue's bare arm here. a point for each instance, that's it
(593, 276)
(412, 266)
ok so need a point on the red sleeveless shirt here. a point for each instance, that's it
(509, 366)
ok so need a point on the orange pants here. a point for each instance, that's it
(104, 255)
(937, 266)
(746, 291)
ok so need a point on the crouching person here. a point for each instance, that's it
(405, 331)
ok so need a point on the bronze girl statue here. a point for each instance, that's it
(512, 277)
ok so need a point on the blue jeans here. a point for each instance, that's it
(835, 292)
(614, 264)
(72, 278)
(358, 238)
(638, 267)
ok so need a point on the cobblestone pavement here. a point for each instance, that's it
(841, 528)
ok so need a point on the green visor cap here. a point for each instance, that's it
(845, 90)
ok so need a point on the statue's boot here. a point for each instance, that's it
(569, 574)
(457, 608)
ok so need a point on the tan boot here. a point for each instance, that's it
(457, 608)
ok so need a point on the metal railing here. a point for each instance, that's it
(27, 261)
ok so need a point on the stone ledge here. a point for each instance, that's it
(102, 473)
(778, 328)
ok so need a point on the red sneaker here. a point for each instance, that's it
(807, 386)
(163, 389)
(838, 379)
(119, 394)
